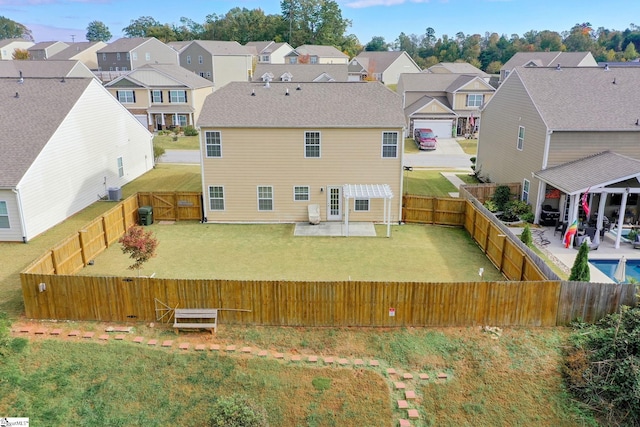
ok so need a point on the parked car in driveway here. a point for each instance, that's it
(425, 139)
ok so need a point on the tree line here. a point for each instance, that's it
(320, 22)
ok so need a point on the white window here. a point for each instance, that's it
(213, 143)
(128, 56)
(216, 198)
(147, 56)
(265, 198)
(126, 96)
(520, 145)
(182, 120)
(120, 167)
(301, 193)
(506, 74)
(200, 59)
(118, 56)
(525, 190)
(104, 56)
(264, 58)
(361, 205)
(4, 215)
(156, 96)
(313, 60)
(475, 100)
(390, 144)
(188, 59)
(124, 68)
(178, 96)
(208, 73)
(293, 60)
(312, 144)
(135, 56)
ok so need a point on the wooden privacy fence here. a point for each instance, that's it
(484, 192)
(173, 206)
(433, 210)
(285, 303)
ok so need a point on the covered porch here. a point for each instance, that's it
(163, 117)
(592, 192)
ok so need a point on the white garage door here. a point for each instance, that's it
(142, 118)
(442, 128)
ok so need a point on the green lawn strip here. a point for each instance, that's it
(182, 143)
(410, 146)
(120, 383)
(426, 182)
(469, 146)
(166, 177)
(271, 252)
(468, 179)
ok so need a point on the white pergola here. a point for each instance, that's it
(369, 191)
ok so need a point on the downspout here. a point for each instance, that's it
(22, 224)
(401, 195)
(547, 143)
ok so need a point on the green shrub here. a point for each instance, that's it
(580, 269)
(601, 366)
(190, 131)
(517, 208)
(528, 217)
(491, 205)
(158, 152)
(525, 237)
(501, 196)
(237, 411)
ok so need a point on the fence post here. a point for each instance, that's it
(82, 234)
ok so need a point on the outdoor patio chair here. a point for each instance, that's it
(636, 241)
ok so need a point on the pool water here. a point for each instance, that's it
(608, 267)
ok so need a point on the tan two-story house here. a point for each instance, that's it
(316, 54)
(271, 150)
(384, 67)
(449, 104)
(126, 54)
(162, 96)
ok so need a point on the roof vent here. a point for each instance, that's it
(298, 88)
(20, 80)
(614, 80)
(558, 68)
(637, 122)
(17, 95)
(606, 67)
(267, 85)
(287, 92)
(63, 80)
(253, 92)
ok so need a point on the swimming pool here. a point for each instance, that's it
(608, 267)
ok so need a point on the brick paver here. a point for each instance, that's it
(410, 394)
(413, 413)
(263, 353)
(152, 342)
(88, 335)
(391, 371)
(399, 386)
(215, 347)
(404, 423)
(103, 337)
(246, 349)
(184, 346)
(200, 347)
(312, 359)
(167, 343)
(138, 339)
(73, 333)
(56, 332)
(119, 337)
(407, 376)
(424, 376)
(403, 404)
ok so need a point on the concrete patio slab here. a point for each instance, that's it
(335, 229)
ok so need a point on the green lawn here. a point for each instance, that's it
(421, 182)
(468, 179)
(270, 251)
(469, 146)
(182, 143)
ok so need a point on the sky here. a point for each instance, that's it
(67, 20)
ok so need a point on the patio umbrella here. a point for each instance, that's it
(621, 270)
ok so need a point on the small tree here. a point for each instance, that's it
(580, 269)
(140, 245)
(501, 196)
(98, 31)
(237, 411)
(525, 237)
(20, 55)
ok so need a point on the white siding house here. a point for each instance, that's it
(57, 161)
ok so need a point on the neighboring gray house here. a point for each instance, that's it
(547, 59)
(456, 68)
(269, 52)
(300, 73)
(45, 50)
(127, 54)
(84, 52)
(447, 103)
(218, 61)
(384, 67)
(48, 69)
(64, 143)
(542, 120)
(316, 54)
(8, 46)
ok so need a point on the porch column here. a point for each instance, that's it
(623, 208)
(603, 201)
(346, 215)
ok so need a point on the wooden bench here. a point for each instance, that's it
(183, 318)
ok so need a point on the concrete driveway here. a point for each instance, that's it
(448, 155)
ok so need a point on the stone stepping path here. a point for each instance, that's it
(401, 384)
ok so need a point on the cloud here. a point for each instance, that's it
(41, 2)
(359, 4)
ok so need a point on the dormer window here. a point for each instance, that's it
(267, 77)
(286, 77)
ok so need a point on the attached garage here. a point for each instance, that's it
(441, 127)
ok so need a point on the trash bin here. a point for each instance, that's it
(145, 215)
(115, 193)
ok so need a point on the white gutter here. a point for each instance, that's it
(22, 224)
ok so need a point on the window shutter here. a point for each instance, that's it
(134, 95)
(185, 96)
(169, 97)
(161, 97)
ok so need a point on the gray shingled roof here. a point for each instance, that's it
(320, 51)
(29, 121)
(181, 75)
(594, 171)
(125, 44)
(36, 69)
(72, 50)
(379, 60)
(217, 47)
(6, 42)
(432, 82)
(459, 68)
(302, 72)
(425, 100)
(259, 46)
(316, 105)
(44, 45)
(546, 59)
(584, 98)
